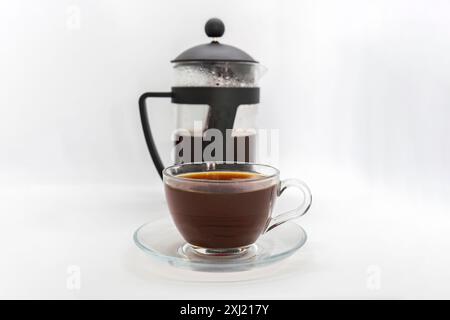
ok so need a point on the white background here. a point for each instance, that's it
(360, 91)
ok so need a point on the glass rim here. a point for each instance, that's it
(166, 173)
(178, 63)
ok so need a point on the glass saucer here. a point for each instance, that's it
(160, 239)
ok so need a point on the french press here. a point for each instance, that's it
(216, 95)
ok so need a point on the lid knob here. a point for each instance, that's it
(214, 28)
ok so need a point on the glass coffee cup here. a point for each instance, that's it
(221, 209)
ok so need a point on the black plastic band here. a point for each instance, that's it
(215, 96)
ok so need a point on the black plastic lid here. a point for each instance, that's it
(214, 51)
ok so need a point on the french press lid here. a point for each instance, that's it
(214, 51)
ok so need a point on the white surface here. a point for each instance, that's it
(49, 229)
(362, 86)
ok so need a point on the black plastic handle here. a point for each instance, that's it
(146, 127)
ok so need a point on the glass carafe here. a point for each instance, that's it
(194, 122)
(216, 93)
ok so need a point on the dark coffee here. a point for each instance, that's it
(242, 149)
(230, 218)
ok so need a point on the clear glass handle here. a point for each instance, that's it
(297, 212)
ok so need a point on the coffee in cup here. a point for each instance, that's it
(222, 208)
